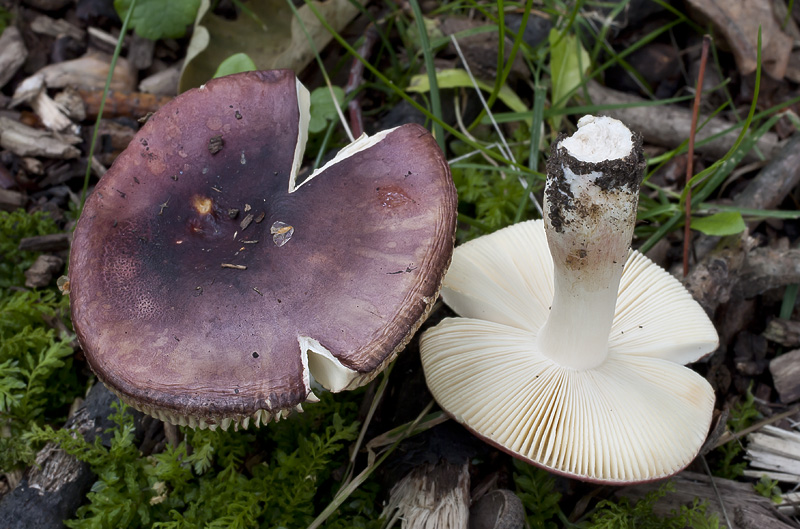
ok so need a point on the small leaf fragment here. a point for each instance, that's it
(720, 224)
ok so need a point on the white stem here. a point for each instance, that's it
(590, 211)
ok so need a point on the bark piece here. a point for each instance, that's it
(11, 200)
(55, 242)
(23, 140)
(53, 488)
(744, 507)
(739, 23)
(12, 54)
(785, 371)
(673, 124)
(784, 332)
(42, 271)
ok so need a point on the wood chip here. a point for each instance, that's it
(23, 140)
(784, 332)
(89, 71)
(785, 371)
(234, 266)
(776, 452)
(43, 270)
(11, 200)
(45, 25)
(12, 54)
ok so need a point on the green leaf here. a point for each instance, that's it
(458, 78)
(568, 62)
(724, 223)
(236, 63)
(323, 108)
(156, 19)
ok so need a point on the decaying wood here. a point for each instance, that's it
(744, 507)
(23, 140)
(12, 54)
(767, 268)
(11, 200)
(785, 371)
(775, 453)
(43, 270)
(53, 488)
(55, 242)
(669, 125)
(133, 104)
(784, 332)
(431, 496)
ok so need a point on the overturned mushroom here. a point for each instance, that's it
(210, 287)
(571, 348)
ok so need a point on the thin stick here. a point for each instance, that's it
(356, 78)
(698, 92)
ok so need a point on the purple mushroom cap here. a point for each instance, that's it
(202, 277)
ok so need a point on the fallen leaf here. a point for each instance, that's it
(268, 32)
(738, 22)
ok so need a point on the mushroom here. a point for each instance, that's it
(570, 350)
(210, 287)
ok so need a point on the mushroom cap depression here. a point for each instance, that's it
(202, 274)
(640, 415)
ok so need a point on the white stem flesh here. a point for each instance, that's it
(589, 242)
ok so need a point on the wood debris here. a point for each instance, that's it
(730, 500)
(12, 54)
(45, 25)
(785, 371)
(23, 140)
(784, 332)
(775, 453)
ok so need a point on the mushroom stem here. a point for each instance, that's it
(591, 197)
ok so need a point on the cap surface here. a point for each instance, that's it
(640, 415)
(201, 274)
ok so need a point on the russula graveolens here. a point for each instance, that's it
(210, 287)
(570, 350)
